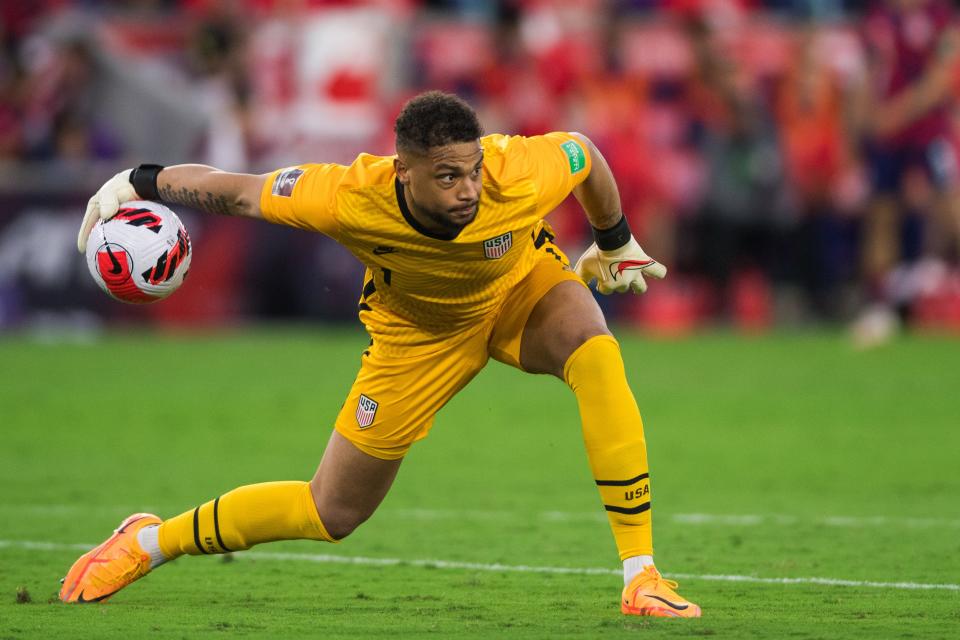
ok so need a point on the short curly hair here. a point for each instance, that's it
(434, 119)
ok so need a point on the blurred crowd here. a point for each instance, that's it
(790, 160)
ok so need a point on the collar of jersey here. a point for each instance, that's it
(419, 228)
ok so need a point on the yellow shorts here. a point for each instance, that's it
(394, 399)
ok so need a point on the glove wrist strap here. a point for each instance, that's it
(613, 238)
(144, 181)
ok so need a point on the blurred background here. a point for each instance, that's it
(794, 162)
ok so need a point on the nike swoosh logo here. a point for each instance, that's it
(617, 268)
(678, 607)
(379, 251)
(116, 269)
(82, 600)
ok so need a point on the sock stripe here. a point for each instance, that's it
(216, 524)
(196, 531)
(640, 508)
(622, 483)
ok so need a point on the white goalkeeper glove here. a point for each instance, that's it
(618, 269)
(105, 203)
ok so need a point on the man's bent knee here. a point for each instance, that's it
(573, 342)
(340, 517)
(341, 522)
(564, 319)
(349, 486)
(581, 334)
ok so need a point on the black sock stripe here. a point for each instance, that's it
(640, 508)
(622, 483)
(216, 524)
(196, 531)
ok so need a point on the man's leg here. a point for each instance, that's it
(346, 489)
(392, 403)
(566, 336)
(349, 485)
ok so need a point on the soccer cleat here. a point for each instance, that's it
(104, 570)
(650, 594)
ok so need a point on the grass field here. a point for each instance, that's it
(773, 459)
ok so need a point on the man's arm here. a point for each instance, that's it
(598, 193)
(615, 259)
(211, 190)
(195, 185)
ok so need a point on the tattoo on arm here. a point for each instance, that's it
(208, 201)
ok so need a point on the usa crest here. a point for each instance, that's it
(495, 247)
(366, 411)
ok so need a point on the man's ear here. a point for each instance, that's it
(402, 171)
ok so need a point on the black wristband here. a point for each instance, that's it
(144, 181)
(613, 238)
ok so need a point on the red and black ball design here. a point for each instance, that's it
(140, 255)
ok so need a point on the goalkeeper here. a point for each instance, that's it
(461, 267)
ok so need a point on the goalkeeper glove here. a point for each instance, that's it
(105, 203)
(119, 189)
(619, 268)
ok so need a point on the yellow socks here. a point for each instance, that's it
(242, 518)
(613, 434)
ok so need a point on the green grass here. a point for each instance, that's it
(846, 463)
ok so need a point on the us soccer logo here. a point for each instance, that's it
(366, 411)
(495, 247)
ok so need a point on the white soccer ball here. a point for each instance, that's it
(140, 255)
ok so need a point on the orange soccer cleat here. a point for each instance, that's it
(650, 594)
(104, 570)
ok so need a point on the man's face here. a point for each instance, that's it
(443, 185)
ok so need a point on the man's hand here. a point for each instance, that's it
(620, 269)
(105, 203)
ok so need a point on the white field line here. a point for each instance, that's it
(508, 568)
(693, 519)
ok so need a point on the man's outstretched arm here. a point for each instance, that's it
(212, 190)
(615, 259)
(194, 185)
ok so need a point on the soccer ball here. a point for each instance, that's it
(140, 255)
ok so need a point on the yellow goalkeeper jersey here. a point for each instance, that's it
(419, 287)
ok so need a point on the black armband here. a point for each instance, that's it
(144, 181)
(613, 238)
